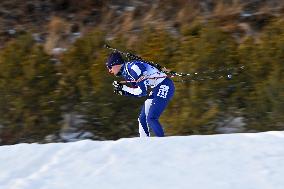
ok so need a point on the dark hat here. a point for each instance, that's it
(114, 59)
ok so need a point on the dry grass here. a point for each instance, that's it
(223, 8)
(57, 29)
(117, 17)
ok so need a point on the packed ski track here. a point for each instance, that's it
(228, 161)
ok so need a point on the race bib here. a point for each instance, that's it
(163, 91)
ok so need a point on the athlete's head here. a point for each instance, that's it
(114, 63)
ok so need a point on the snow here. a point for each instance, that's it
(58, 50)
(232, 125)
(12, 31)
(227, 161)
(244, 14)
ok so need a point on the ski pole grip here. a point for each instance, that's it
(106, 46)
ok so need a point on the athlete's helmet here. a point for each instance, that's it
(114, 58)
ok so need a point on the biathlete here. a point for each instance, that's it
(143, 76)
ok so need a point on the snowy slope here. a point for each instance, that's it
(233, 161)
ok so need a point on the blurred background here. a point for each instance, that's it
(54, 86)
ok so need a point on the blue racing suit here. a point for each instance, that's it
(144, 77)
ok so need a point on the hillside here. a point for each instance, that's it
(57, 22)
(247, 161)
(54, 85)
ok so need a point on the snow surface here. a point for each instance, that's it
(228, 161)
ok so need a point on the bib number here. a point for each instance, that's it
(163, 91)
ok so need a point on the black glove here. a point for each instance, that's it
(117, 88)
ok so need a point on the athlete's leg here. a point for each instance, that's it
(162, 96)
(155, 112)
(143, 126)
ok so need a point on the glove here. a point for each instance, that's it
(117, 88)
(117, 85)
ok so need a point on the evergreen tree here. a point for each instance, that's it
(29, 108)
(267, 96)
(204, 48)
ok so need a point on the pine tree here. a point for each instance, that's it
(199, 103)
(29, 108)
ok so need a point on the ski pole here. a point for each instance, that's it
(126, 54)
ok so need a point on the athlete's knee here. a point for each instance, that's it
(155, 125)
(152, 119)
